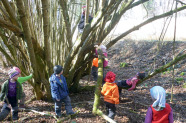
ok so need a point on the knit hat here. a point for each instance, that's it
(12, 73)
(141, 75)
(110, 77)
(57, 69)
(103, 48)
(16, 69)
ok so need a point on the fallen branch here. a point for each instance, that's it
(161, 69)
(41, 113)
(31, 99)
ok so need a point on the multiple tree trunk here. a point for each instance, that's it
(38, 34)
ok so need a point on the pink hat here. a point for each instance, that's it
(16, 69)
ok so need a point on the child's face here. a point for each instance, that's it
(15, 77)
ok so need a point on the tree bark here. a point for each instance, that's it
(46, 18)
(28, 39)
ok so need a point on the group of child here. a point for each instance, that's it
(158, 112)
(11, 92)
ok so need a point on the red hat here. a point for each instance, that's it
(110, 77)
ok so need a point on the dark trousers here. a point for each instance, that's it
(14, 104)
(68, 107)
(94, 73)
(110, 110)
(121, 84)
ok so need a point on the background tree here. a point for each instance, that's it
(38, 34)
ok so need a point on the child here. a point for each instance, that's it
(21, 80)
(111, 94)
(11, 92)
(159, 111)
(82, 21)
(130, 82)
(94, 71)
(59, 91)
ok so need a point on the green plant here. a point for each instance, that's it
(180, 79)
(184, 85)
(182, 73)
(123, 64)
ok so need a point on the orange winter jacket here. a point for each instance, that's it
(110, 93)
(95, 62)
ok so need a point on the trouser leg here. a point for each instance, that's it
(58, 105)
(4, 112)
(94, 73)
(68, 106)
(111, 110)
(13, 102)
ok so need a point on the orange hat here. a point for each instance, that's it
(110, 77)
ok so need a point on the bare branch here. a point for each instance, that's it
(144, 23)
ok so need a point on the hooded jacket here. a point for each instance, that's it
(110, 89)
(58, 90)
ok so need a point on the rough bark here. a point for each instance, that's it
(28, 39)
(45, 6)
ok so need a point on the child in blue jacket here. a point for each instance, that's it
(59, 91)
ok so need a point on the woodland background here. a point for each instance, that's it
(144, 35)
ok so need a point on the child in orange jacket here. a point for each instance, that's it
(111, 94)
(94, 70)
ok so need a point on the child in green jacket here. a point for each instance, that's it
(21, 80)
(11, 92)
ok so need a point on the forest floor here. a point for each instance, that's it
(139, 56)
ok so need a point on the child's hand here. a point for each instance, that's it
(134, 82)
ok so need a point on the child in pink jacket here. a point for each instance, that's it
(130, 82)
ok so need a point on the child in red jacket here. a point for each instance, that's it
(111, 94)
(159, 111)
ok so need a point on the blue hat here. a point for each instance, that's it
(57, 69)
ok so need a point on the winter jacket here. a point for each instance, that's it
(58, 90)
(110, 93)
(132, 81)
(161, 116)
(4, 90)
(82, 21)
(95, 60)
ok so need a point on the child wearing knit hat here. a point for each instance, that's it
(21, 80)
(11, 92)
(94, 70)
(111, 94)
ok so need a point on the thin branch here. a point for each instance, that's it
(11, 27)
(144, 23)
